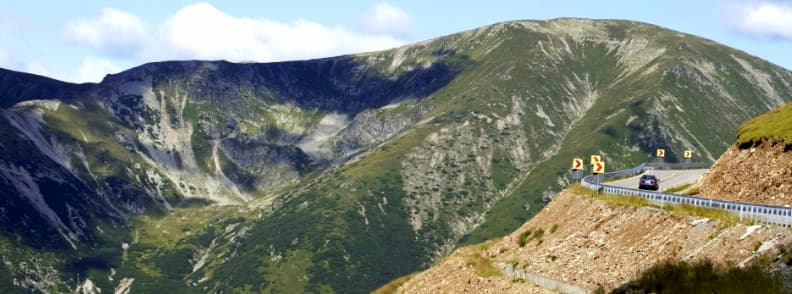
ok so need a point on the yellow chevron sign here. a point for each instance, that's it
(661, 153)
(688, 154)
(599, 167)
(595, 159)
(577, 163)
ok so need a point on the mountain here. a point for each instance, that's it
(340, 174)
(586, 242)
(18, 86)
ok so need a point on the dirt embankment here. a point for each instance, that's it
(759, 174)
(592, 243)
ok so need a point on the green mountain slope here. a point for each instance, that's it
(339, 174)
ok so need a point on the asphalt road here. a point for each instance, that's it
(668, 178)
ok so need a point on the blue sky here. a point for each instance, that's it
(84, 40)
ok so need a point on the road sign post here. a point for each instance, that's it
(660, 154)
(594, 159)
(688, 155)
(577, 168)
(598, 168)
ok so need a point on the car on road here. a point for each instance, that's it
(649, 182)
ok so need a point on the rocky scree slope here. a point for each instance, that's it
(340, 174)
(756, 169)
(595, 244)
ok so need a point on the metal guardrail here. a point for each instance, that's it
(770, 214)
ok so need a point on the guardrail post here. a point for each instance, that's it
(741, 212)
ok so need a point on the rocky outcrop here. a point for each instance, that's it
(755, 174)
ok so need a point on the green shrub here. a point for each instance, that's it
(524, 238)
(538, 234)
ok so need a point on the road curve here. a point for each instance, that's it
(668, 178)
(674, 173)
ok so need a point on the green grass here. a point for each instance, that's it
(776, 124)
(538, 234)
(676, 189)
(694, 191)
(523, 239)
(502, 170)
(704, 277)
(394, 285)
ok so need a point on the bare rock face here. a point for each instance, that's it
(758, 174)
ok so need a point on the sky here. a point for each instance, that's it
(82, 41)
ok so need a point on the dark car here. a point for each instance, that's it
(649, 182)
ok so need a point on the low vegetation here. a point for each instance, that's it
(710, 213)
(394, 285)
(524, 238)
(483, 266)
(678, 209)
(703, 277)
(677, 189)
(776, 124)
(694, 191)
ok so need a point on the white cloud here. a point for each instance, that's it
(93, 69)
(114, 32)
(385, 18)
(202, 31)
(90, 69)
(763, 18)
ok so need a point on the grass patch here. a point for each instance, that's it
(703, 277)
(524, 238)
(776, 124)
(624, 200)
(538, 234)
(725, 217)
(484, 267)
(676, 189)
(694, 191)
(529, 235)
(394, 285)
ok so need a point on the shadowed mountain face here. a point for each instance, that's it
(342, 173)
(18, 86)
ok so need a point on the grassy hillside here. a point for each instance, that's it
(776, 124)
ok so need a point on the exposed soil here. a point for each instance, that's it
(599, 244)
(758, 174)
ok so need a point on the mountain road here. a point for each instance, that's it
(668, 178)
